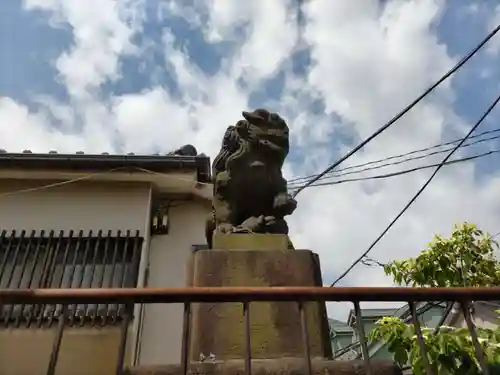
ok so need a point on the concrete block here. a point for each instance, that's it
(245, 241)
(275, 326)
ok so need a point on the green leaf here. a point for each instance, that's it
(445, 261)
(401, 356)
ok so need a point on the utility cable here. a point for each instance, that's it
(405, 171)
(296, 185)
(420, 191)
(402, 113)
(332, 174)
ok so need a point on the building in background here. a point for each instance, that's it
(345, 338)
(430, 315)
(97, 221)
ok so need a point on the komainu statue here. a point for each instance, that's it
(250, 193)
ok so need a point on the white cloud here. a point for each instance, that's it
(22, 130)
(368, 62)
(102, 32)
(494, 21)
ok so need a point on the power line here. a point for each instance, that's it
(405, 171)
(297, 179)
(370, 262)
(402, 113)
(297, 185)
(420, 191)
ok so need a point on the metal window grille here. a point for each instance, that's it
(66, 260)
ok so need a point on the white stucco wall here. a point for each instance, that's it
(162, 328)
(82, 205)
(116, 206)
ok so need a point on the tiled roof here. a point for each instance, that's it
(186, 150)
(54, 152)
(378, 312)
(184, 157)
(339, 326)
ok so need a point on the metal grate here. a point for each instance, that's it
(63, 260)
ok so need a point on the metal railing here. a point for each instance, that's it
(245, 296)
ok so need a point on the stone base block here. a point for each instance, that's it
(243, 241)
(275, 326)
(283, 366)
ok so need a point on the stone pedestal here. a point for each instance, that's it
(250, 260)
(276, 338)
(250, 242)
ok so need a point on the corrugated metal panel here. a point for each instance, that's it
(66, 260)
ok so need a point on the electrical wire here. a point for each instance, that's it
(370, 262)
(420, 191)
(295, 180)
(402, 113)
(296, 185)
(61, 183)
(405, 171)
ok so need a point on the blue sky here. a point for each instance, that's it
(31, 43)
(146, 76)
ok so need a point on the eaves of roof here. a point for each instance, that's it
(339, 326)
(105, 161)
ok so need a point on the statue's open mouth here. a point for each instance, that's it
(257, 164)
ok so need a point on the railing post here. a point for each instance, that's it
(473, 334)
(420, 339)
(247, 338)
(186, 333)
(362, 338)
(305, 337)
(57, 342)
(127, 316)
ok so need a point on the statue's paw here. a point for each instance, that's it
(269, 220)
(252, 224)
(284, 204)
(241, 229)
(225, 228)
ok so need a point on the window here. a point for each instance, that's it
(66, 260)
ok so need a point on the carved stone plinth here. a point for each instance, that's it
(235, 241)
(283, 366)
(275, 326)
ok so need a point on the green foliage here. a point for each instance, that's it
(450, 352)
(465, 259)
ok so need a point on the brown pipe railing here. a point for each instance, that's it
(245, 295)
